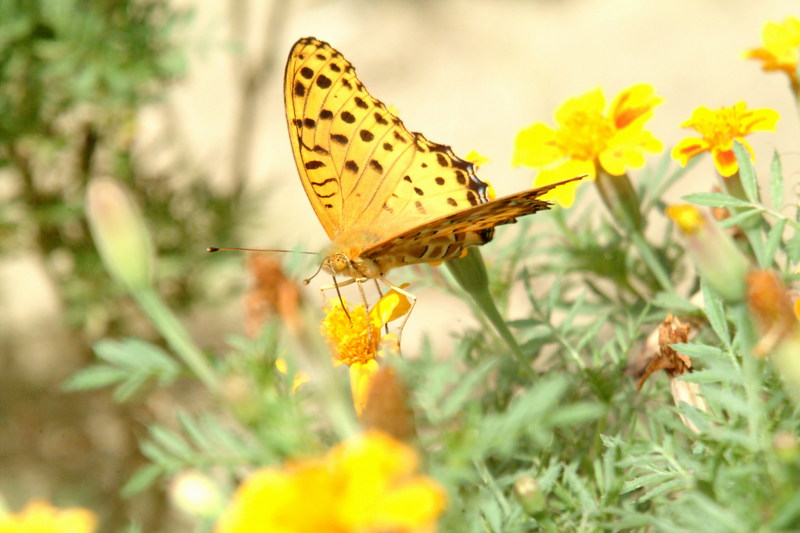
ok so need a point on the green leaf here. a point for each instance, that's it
(746, 172)
(715, 313)
(776, 182)
(774, 239)
(142, 479)
(793, 247)
(740, 219)
(94, 377)
(716, 199)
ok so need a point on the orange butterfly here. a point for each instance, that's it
(386, 197)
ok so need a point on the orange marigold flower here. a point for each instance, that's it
(355, 338)
(781, 45)
(368, 484)
(718, 130)
(41, 517)
(587, 135)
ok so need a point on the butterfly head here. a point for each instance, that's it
(340, 264)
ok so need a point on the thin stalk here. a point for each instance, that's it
(176, 336)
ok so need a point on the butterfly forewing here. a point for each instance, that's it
(358, 163)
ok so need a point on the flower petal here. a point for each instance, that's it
(360, 380)
(536, 146)
(634, 105)
(565, 194)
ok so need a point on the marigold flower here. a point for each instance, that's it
(718, 130)
(368, 484)
(781, 45)
(41, 517)
(586, 136)
(355, 338)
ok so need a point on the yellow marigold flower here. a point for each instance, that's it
(588, 135)
(355, 338)
(718, 130)
(368, 484)
(781, 44)
(41, 517)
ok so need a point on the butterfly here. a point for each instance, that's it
(386, 197)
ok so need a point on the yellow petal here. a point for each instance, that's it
(360, 379)
(590, 102)
(390, 307)
(535, 146)
(634, 105)
(565, 194)
(687, 149)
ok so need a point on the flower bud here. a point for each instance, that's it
(119, 233)
(719, 262)
(530, 495)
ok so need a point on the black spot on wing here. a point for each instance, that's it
(323, 81)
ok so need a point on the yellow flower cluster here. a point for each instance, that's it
(41, 517)
(368, 484)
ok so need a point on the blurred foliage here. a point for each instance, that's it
(74, 76)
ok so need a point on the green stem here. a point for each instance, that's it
(176, 336)
(470, 273)
(648, 255)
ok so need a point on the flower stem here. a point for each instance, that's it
(176, 336)
(470, 273)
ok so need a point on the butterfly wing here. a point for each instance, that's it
(359, 165)
(445, 237)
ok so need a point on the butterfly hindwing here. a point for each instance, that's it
(473, 220)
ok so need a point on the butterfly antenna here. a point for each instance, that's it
(211, 249)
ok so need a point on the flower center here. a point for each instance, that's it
(584, 135)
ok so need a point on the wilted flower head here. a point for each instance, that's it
(272, 293)
(588, 135)
(772, 308)
(675, 364)
(718, 130)
(368, 484)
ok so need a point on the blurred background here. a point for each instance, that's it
(183, 101)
